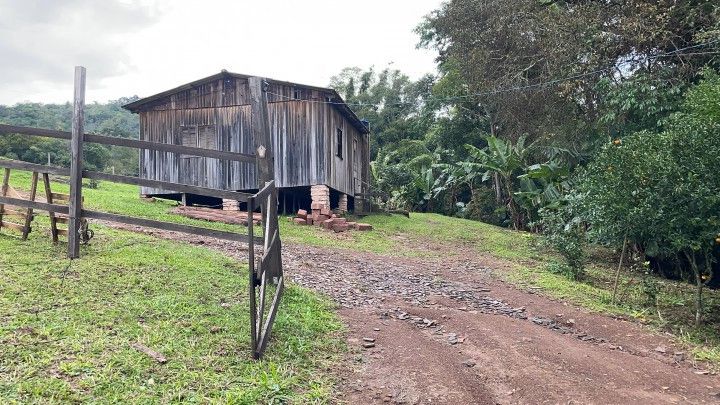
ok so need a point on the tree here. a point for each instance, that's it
(106, 119)
(535, 65)
(661, 190)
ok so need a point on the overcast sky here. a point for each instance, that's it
(146, 46)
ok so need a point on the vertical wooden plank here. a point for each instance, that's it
(260, 130)
(251, 281)
(3, 192)
(49, 199)
(76, 164)
(29, 212)
(261, 135)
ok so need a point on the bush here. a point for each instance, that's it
(482, 207)
(564, 231)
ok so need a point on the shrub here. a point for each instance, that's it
(483, 207)
(564, 231)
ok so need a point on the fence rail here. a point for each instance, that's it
(130, 143)
(262, 275)
(136, 181)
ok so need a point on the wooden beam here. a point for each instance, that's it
(115, 178)
(33, 167)
(166, 147)
(12, 225)
(130, 143)
(76, 164)
(166, 185)
(265, 190)
(251, 281)
(48, 198)
(268, 261)
(167, 226)
(267, 328)
(46, 133)
(3, 192)
(29, 213)
(36, 205)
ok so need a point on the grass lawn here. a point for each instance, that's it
(67, 328)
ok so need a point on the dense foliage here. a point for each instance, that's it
(661, 190)
(587, 121)
(105, 119)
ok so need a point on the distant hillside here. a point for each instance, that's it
(106, 119)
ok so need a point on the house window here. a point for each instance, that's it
(339, 142)
(198, 136)
(297, 94)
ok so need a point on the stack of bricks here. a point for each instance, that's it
(320, 195)
(230, 205)
(324, 218)
(343, 203)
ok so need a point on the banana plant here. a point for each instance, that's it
(504, 159)
(543, 184)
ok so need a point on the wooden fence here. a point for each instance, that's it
(264, 275)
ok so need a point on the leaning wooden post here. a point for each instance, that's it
(262, 138)
(260, 127)
(76, 164)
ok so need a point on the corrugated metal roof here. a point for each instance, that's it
(337, 100)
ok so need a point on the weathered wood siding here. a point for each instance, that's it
(340, 169)
(304, 138)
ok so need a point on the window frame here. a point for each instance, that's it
(195, 137)
(339, 143)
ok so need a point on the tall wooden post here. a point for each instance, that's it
(262, 138)
(260, 127)
(76, 164)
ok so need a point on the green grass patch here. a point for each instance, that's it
(67, 327)
(400, 235)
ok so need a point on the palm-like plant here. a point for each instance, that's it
(503, 160)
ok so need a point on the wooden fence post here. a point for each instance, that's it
(76, 164)
(260, 127)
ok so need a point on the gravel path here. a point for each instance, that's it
(445, 330)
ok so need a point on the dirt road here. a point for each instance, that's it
(445, 330)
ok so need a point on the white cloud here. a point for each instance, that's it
(143, 47)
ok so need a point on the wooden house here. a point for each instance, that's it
(321, 147)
